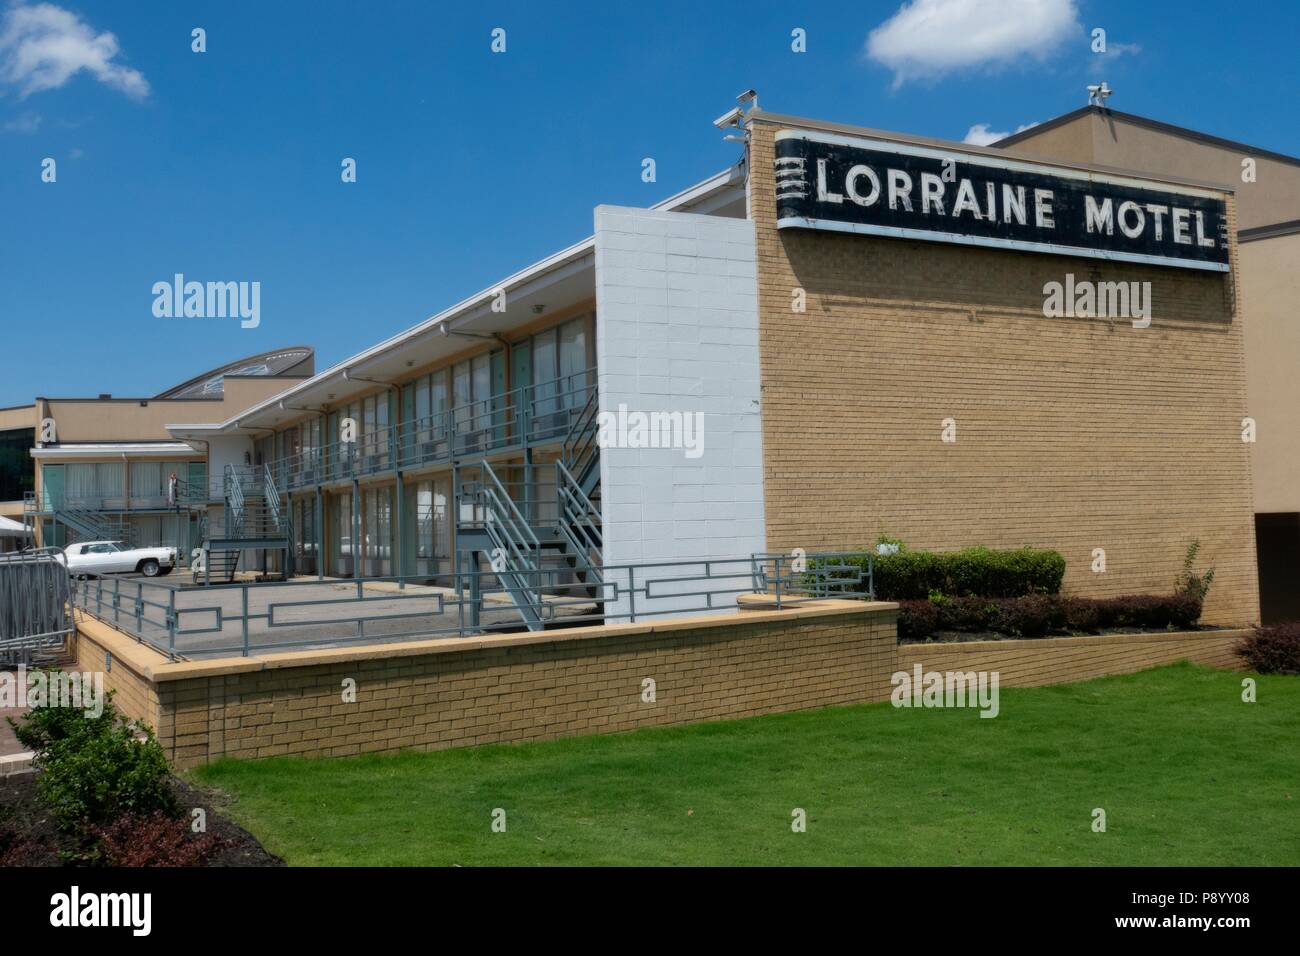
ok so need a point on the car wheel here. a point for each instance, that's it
(149, 568)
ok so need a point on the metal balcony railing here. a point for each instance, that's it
(521, 417)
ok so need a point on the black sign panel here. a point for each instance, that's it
(891, 189)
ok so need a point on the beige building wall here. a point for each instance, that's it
(1268, 267)
(1072, 434)
(22, 416)
(1106, 138)
(144, 419)
(1270, 275)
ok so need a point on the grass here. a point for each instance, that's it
(1187, 773)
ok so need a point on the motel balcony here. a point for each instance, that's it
(511, 423)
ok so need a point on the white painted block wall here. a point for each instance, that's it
(677, 331)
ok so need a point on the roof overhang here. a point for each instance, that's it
(556, 282)
(76, 450)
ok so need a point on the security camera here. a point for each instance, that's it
(729, 118)
(749, 96)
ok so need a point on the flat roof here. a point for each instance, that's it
(1144, 121)
(994, 152)
(1272, 230)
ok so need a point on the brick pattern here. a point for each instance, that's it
(532, 691)
(1072, 434)
(134, 692)
(1065, 660)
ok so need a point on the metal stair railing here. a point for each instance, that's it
(507, 526)
(517, 551)
(579, 523)
(234, 494)
(279, 514)
(581, 441)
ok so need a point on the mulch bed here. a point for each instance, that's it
(30, 837)
(963, 637)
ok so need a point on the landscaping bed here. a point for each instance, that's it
(31, 836)
(103, 794)
(966, 637)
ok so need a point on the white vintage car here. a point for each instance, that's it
(92, 558)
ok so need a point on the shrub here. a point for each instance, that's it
(1188, 581)
(155, 839)
(1272, 650)
(917, 619)
(1081, 614)
(972, 572)
(1035, 615)
(95, 769)
(1030, 616)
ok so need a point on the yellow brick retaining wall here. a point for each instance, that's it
(461, 692)
(430, 695)
(1067, 659)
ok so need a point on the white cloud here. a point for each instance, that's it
(927, 38)
(1113, 52)
(26, 123)
(981, 135)
(43, 46)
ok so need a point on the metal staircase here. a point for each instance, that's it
(530, 557)
(255, 519)
(79, 524)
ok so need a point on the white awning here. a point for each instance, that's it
(11, 529)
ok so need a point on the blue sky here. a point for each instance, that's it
(225, 165)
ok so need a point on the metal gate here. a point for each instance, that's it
(35, 606)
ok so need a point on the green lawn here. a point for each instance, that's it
(1186, 772)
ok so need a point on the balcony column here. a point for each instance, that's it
(319, 534)
(358, 553)
(291, 552)
(399, 515)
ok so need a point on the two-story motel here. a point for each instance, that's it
(863, 322)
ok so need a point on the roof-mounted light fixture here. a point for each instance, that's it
(1098, 94)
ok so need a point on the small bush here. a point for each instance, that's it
(1031, 616)
(972, 572)
(154, 839)
(1081, 614)
(917, 619)
(1272, 650)
(95, 769)
(1035, 615)
(1190, 582)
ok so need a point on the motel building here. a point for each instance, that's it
(1083, 338)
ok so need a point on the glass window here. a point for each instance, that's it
(573, 361)
(439, 403)
(422, 407)
(544, 351)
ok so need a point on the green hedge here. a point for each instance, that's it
(971, 572)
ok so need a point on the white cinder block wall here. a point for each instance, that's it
(677, 331)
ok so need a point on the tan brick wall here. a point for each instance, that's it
(1068, 659)
(452, 693)
(134, 692)
(1072, 434)
(518, 690)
